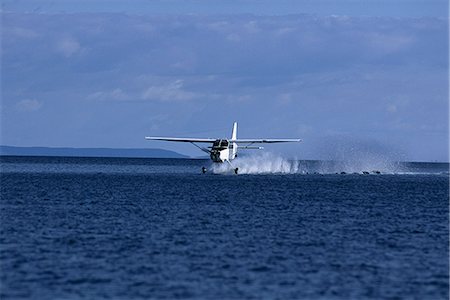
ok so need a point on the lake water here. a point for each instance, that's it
(112, 228)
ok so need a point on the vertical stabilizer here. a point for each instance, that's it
(234, 132)
(234, 137)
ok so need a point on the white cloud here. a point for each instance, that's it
(24, 33)
(68, 46)
(114, 95)
(234, 99)
(391, 108)
(252, 27)
(28, 105)
(172, 91)
(219, 26)
(285, 31)
(284, 98)
(233, 37)
(390, 43)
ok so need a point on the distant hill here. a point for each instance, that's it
(88, 152)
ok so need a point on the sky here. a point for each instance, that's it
(345, 76)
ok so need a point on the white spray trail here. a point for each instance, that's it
(265, 163)
(269, 163)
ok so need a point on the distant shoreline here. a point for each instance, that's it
(89, 152)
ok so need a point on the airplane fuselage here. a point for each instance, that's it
(222, 150)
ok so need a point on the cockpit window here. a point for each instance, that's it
(220, 144)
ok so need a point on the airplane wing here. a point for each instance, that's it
(264, 141)
(185, 140)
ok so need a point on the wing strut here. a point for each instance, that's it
(203, 149)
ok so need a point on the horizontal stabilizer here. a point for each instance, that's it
(251, 148)
(264, 141)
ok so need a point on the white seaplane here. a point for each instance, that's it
(223, 150)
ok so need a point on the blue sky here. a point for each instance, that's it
(358, 76)
(394, 8)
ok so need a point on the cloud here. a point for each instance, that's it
(388, 43)
(233, 37)
(391, 108)
(114, 95)
(365, 76)
(24, 33)
(28, 105)
(172, 91)
(251, 27)
(284, 98)
(68, 46)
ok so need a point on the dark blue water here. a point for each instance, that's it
(154, 228)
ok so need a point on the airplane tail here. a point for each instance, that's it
(234, 137)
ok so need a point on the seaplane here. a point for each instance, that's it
(223, 150)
